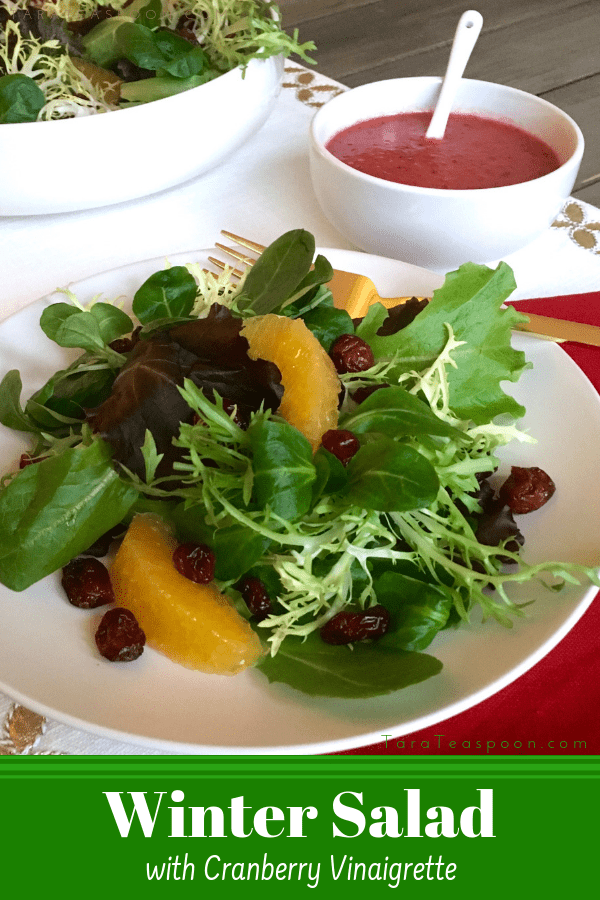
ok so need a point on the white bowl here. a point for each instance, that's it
(90, 161)
(430, 227)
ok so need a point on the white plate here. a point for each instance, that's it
(47, 654)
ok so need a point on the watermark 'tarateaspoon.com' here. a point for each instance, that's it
(445, 743)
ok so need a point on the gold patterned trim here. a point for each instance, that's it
(309, 89)
(584, 232)
(21, 731)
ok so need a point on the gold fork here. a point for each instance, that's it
(356, 293)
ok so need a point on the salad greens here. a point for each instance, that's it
(180, 420)
(65, 58)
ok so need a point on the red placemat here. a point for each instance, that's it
(552, 709)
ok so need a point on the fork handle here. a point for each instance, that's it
(561, 329)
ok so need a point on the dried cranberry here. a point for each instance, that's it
(119, 637)
(195, 561)
(362, 393)
(255, 597)
(351, 354)
(27, 460)
(87, 583)
(343, 444)
(526, 489)
(346, 627)
(126, 344)
(121, 345)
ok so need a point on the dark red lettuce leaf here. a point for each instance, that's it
(399, 316)
(211, 353)
(495, 524)
(402, 315)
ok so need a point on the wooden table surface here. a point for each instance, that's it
(546, 47)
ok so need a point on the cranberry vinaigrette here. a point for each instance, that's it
(475, 152)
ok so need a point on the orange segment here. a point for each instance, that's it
(310, 381)
(193, 624)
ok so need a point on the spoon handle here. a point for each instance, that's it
(465, 38)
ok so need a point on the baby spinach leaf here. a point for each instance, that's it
(70, 392)
(171, 44)
(193, 62)
(316, 297)
(56, 509)
(331, 476)
(320, 273)
(11, 413)
(169, 294)
(20, 99)
(236, 547)
(91, 329)
(389, 476)
(418, 610)
(138, 44)
(366, 670)
(101, 43)
(112, 321)
(149, 15)
(395, 412)
(327, 324)
(49, 419)
(278, 271)
(284, 472)
(53, 320)
(162, 50)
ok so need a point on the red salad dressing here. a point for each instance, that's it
(475, 152)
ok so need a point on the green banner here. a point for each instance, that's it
(456, 827)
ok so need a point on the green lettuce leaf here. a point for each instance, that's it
(470, 302)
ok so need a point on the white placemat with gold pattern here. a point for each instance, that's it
(261, 192)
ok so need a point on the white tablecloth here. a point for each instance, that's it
(260, 192)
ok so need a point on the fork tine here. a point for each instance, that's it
(240, 257)
(244, 242)
(237, 273)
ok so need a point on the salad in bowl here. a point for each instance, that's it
(69, 58)
(281, 487)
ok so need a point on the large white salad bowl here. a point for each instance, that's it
(105, 158)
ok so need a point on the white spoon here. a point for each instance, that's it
(465, 38)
